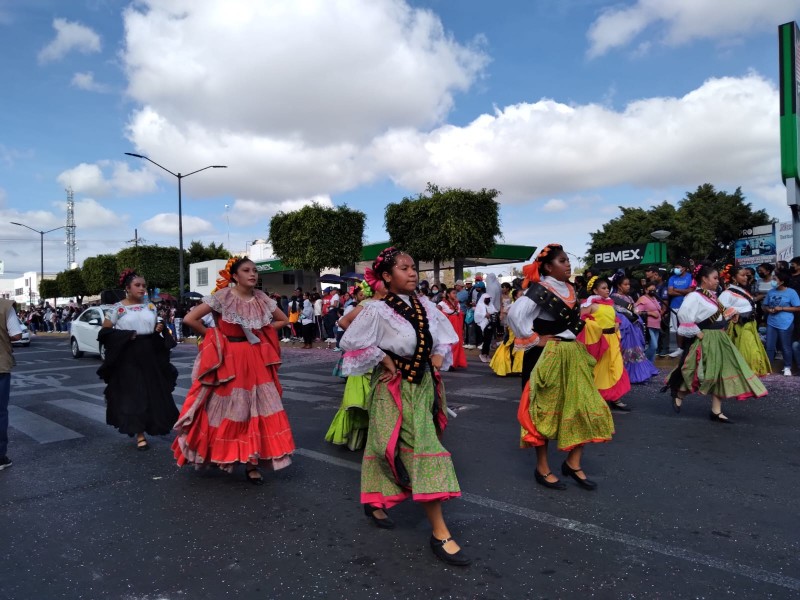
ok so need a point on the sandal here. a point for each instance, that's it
(142, 445)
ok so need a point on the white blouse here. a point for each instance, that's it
(695, 309)
(735, 297)
(140, 318)
(524, 311)
(378, 327)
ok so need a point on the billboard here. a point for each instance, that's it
(757, 245)
(634, 255)
(785, 241)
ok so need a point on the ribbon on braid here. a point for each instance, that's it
(532, 271)
(371, 279)
(725, 273)
(224, 279)
(366, 289)
(591, 283)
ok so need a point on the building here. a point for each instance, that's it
(24, 290)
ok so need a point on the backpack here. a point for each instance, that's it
(469, 318)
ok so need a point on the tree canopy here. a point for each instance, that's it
(197, 252)
(704, 226)
(317, 237)
(71, 284)
(444, 224)
(100, 273)
(48, 289)
(157, 264)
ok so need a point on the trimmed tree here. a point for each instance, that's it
(48, 289)
(71, 284)
(100, 273)
(157, 264)
(445, 224)
(317, 237)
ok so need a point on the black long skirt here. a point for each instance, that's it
(139, 390)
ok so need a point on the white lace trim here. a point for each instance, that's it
(361, 362)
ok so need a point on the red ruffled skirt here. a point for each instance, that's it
(459, 357)
(233, 412)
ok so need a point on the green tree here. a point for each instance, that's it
(100, 273)
(297, 237)
(711, 221)
(634, 226)
(48, 290)
(445, 224)
(197, 252)
(71, 284)
(157, 264)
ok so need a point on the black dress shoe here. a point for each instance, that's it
(542, 480)
(385, 523)
(675, 406)
(459, 559)
(258, 480)
(586, 484)
(719, 418)
(621, 406)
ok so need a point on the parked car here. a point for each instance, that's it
(83, 337)
(26, 337)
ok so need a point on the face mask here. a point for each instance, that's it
(773, 284)
(676, 270)
(651, 293)
(434, 291)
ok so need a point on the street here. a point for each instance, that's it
(685, 508)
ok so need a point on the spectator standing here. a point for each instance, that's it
(10, 331)
(679, 285)
(316, 299)
(649, 308)
(483, 320)
(780, 306)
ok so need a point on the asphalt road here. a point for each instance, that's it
(686, 508)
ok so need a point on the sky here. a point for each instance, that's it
(570, 108)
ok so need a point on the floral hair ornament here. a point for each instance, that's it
(127, 273)
(365, 288)
(224, 279)
(590, 284)
(532, 271)
(696, 270)
(725, 273)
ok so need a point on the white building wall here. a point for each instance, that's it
(203, 275)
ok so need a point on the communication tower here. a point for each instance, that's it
(71, 245)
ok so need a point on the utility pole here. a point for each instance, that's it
(71, 244)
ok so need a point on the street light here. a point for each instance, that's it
(661, 234)
(41, 234)
(180, 209)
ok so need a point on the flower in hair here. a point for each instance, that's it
(591, 283)
(124, 275)
(224, 279)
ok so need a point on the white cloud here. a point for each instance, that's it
(90, 179)
(167, 224)
(85, 81)
(249, 212)
(554, 205)
(90, 214)
(686, 20)
(725, 132)
(70, 36)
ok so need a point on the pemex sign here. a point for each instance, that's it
(634, 255)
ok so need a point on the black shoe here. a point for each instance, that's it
(259, 480)
(586, 484)
(719, 418)
(5, 462)
(675, 406)
(542, 480)
(142, 445)
(621, 406)
(385, 523)
(459, 559)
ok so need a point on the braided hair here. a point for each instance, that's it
(385, 260)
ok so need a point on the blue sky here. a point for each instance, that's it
(569, 108)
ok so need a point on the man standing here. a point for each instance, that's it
(680, 285)
(10, 331)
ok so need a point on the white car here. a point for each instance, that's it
(83, 337)
(25, 340)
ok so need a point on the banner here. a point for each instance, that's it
(785, 241)
(757, 245)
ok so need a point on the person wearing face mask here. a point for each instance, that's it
(649, 307)
(766, 281)
(781, 305)
(680, 285)
(744, 332)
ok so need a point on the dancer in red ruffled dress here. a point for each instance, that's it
(233, 411)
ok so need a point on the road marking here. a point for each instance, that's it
(50, 370)
(39, 428)
(86, 409)
(691, 556)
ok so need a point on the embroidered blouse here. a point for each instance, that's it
(140, 318)
(737, 298)
(696, 308)
(378, 327)
(524, 311)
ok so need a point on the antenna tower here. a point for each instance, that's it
(71, 245)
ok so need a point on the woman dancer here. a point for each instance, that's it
(712, 365)
(349, 425)
(631, 329)
(233, 412)
(602, 340)
(559, 399)
(452, 310)
(507, 360)
(743, 330)
(407, 340)
(136, 367)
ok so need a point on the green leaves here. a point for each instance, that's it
(318, 237)
(100, 273)
(71, 284)
(48, 289)
(704, 226)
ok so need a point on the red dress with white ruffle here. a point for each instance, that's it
(233, 411)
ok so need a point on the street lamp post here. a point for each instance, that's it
(180, 177)
(41, 246)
